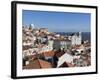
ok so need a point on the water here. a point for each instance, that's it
(85, 35)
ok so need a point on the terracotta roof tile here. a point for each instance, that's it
(37, 64)
(65, 64)
(48, 54)
(44, 64)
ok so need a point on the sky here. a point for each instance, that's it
(57, 21)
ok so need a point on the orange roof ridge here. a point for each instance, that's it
(44, 64)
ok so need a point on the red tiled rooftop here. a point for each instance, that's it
(48, 54)
(65, 64)
(37, 64)
(59, 53)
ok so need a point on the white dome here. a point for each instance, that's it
(32, 25)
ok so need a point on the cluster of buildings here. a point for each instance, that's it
(44, 49)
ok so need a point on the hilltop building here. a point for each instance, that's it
(76, 39)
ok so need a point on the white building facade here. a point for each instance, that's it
(76, 39)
